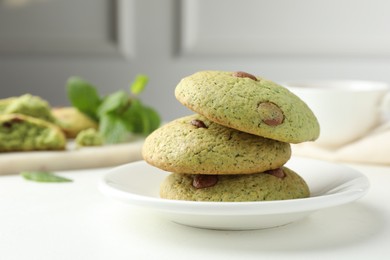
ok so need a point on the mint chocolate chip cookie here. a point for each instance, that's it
(279, 184)
(250, 104)
(25, 133)
(27, 104)
(197, 145)
(72, 121)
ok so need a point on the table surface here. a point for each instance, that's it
(75, 221)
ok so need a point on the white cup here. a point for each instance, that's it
(346, 110)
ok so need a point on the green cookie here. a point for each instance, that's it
(25, 133)
(27, 104)
(285, 184)
(194, 144)
(251, 104)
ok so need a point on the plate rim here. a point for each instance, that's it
(357, 190)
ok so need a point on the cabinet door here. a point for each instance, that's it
(109, 42)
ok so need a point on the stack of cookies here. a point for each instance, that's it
(236, 145)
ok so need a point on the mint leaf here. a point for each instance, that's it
(141, 119)
(113, 128)
(153, 119)
(119, 113)
(114, 102)
(42, 176)
(139, 84)
(83, 96)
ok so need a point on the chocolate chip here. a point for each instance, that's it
(241, 74)
(270, 113)
(201, 181)
(7, 124)
(14, 120)
(198, 123)
(279, 173)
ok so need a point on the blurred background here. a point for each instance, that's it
(109, 42)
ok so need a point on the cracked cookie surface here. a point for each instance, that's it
(236, 188)
(196, 145)
(260, 107)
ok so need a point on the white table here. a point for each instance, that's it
(75, 221)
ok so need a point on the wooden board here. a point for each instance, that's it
(72, 158)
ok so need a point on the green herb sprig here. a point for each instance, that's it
(119, 113)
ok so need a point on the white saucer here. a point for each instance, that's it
(330, 184)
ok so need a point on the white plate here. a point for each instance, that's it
(330, 185)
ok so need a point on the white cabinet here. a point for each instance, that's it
(43, 42)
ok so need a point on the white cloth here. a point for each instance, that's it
(373, 148)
